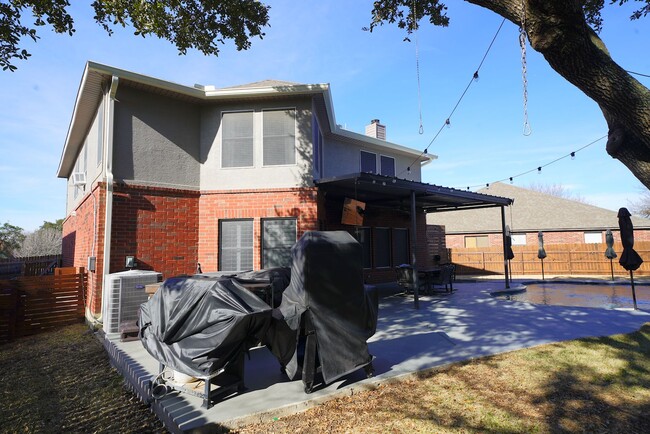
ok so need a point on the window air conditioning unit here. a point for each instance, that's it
(78, 178)
(125, 292)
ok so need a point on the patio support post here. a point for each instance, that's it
(414, 227)
(505, 254)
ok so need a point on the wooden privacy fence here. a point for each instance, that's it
(28, 266)
(30, 305)
(562, 259)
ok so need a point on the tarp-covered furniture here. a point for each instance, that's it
(202, 326)
(326, 313)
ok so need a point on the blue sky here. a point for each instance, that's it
(372, 75)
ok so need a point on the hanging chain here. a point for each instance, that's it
(524, 72)
(417, 65)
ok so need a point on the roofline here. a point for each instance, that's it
(206, 93)
(210, 94)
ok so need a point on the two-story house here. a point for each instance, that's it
(230, 178)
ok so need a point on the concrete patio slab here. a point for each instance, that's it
(447, 328)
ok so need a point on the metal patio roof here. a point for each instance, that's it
(387, 191)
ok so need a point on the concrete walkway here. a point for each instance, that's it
(447, 328)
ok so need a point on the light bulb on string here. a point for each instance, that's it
(539, 170)
(448, 123)
(476, 76)
(573, 155)
(511, 180)
(487, 186)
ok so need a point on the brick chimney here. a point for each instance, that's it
(376, 130)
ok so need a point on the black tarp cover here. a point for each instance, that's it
(197, 325)
(327, 283)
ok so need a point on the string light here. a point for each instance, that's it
(474, 78)
(572, 154)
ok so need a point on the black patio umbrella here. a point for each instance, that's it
(630, 259)
(609, 252)
(509, 253)
(541, 253)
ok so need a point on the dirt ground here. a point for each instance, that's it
(62, 381)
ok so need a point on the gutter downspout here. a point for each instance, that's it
(108, 173)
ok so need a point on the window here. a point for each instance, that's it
(236, 245)
(100, 134)
(237, 139)
(279, 137)
(518, 239)
(477, 241)
(368, 162)
(401, 246)
(382, 247)
(387, 165)
(363, 236)
(278, 236)
(593, 237)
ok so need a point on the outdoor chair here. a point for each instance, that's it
(446, 278)
(406, 278)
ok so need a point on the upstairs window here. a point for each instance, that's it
(237, 139)
(279, 137)
(368, 162)
(387, 166)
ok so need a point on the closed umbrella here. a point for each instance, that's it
(509, 253)
(630, 259)
(609, 252)
(541, 253)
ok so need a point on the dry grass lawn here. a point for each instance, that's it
(62, 382)
(595, 385)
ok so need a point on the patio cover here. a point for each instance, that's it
(392, 192)
(387, 191)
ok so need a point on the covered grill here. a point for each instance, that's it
(326, 314)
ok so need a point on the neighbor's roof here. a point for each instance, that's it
(532, 211)
(97, 79)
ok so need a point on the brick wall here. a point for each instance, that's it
(331, 210)
(159, 226)
(83, 236)
(300, 203)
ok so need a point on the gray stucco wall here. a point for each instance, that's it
(88, 159)
(342, 158)
(156, 140)
(215, 177)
